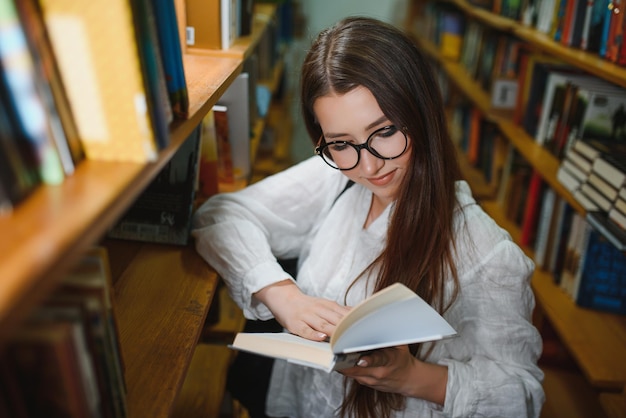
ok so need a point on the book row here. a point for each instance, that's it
(105, 87)
(585, 256)
(596, 26)
(66, 361)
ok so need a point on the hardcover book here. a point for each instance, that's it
(162, 213)
(391, 317)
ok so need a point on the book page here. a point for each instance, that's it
(408, 320)
(395, 292)
(287, 346)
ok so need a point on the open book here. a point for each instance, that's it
(391, 317)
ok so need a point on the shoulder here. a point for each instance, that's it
(481, 242)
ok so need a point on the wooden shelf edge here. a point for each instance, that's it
(158, 339)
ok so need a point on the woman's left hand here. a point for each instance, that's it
(396, 370)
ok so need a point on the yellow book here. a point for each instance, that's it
(95, 45)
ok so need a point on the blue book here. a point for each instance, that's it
(603, 280)
(169, 43)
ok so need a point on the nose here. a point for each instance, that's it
(369, 163)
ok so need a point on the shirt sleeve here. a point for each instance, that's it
(492, 365)
(240, 234)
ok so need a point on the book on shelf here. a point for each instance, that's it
(30, 115)
(162, 213)
(547, 214)
(595, 196)
(203, 24)
(617, 214)
(172, 56)
(472, 41)
(606, 25)
(151, 60)
(616, 31)
(61, 119)
(592, 35)
(531, 210)
(451, 33)
(237, 100)
(208, 177)
(95, 47)
(66, 359)
(42, 363)
(610, 165)
(567, 178)
(605, 115)
(89, 285)
(18, 175)
(225, 170)
(228, 22)
(609, 229)
(380, 321)
(572, 265)
(558, 248)
(602, 282)
(534, 72)
(608, 190)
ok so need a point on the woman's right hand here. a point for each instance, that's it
(309, 317)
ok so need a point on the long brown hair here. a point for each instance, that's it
(366, 52)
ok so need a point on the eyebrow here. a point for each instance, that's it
(378, 121)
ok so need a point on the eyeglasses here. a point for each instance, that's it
(386, 143)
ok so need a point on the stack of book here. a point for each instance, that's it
(66, 360)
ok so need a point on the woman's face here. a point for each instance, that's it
(352, 117)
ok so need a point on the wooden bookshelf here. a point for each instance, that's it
(596, 340)
(162, 293)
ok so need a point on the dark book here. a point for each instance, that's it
(18, 176)
(171, 53)
(596, 24)
(162, 213)
(602, 284)
(153, 72)
(89, 286)
(609, 229)
(530, 217)
(24, 103)
(43, 359)
(50, 84)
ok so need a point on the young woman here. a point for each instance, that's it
(372, 107)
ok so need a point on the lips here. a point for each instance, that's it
(382, 180)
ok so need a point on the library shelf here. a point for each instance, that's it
(162, 293)
(596, 340)
(582, 59)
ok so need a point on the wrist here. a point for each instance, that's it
(275, 291)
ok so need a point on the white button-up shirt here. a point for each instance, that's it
(492, 364)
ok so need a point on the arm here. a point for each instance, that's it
(241, 234)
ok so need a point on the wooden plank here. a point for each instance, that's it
(614, 404)
(162, 299)
(569, 395)
(202, 393)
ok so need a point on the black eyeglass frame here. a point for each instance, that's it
(319, 150)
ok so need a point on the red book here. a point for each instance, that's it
(531, 210)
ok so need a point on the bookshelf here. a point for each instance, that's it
(162, 293)
(596, 340)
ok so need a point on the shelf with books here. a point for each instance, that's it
(546, 163)
(595, 339)
(163, 292)
(244, 46)
(48, 228)
(582, 59)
